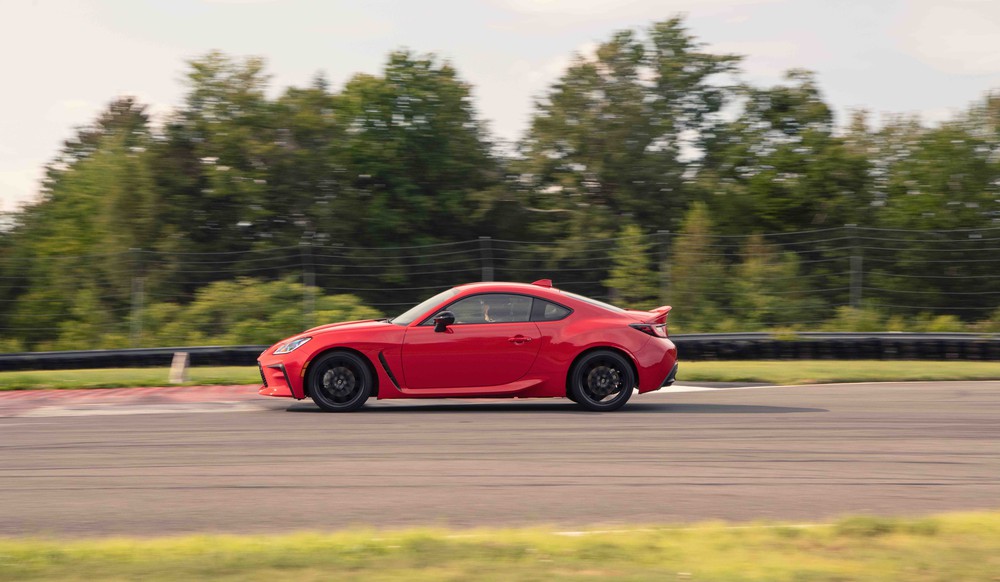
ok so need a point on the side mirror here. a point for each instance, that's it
(443, 320)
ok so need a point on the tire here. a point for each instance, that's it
(602, 381)
(340, 382)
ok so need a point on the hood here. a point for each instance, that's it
(345, 325)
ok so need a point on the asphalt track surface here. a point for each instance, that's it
(153, 462)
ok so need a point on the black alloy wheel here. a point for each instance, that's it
(340, 382)
(602, 381)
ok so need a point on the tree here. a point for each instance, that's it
(779, 167)
(415, 152)
(72, 247)
(214, 164)
(632, 278)
(617, 132)
(698, 285)
(945, 178)
(768, 290)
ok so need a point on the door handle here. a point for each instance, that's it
(519, 339)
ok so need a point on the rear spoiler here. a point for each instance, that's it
(658, 315)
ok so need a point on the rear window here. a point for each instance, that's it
(544, 310)
(602, 304)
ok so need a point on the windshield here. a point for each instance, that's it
(407, 317)
(593, 301)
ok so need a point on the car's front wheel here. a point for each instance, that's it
(340, 382)
(602, 381)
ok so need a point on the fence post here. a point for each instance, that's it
(135, 327)
(309, 282)
(486, 257)
(857, 268)
(664, 248)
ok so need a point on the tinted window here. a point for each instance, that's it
(492, 308)
(547, 311)
(416, 311)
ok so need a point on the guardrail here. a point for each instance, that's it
(692, 347)
(130, 358)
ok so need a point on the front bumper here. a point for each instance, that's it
(280, 377)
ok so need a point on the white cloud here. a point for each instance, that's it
(603, 7)
(18, 184)
(938, 115)
(766, 59)
(958, 36)
(238, 1)
(556, 14)
(71, 112)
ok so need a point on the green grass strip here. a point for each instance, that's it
(124, 378)
(944, 548)
(831, 371)
(771, 372)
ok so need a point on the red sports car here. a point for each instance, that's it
(502, 340)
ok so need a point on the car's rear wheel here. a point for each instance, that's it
(340, 382)
(602, 381)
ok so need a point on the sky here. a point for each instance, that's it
(64, 60)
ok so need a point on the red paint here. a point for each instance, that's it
(479, 359)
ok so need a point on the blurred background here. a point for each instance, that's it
(609, 146)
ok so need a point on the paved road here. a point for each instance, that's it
(164, 462)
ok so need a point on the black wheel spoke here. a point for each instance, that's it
(602, 381)
(340, 382)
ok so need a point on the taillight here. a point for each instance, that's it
(653, 329)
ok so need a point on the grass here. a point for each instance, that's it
(948, 547)
(831, 371)
(771, 372)
(124, 377)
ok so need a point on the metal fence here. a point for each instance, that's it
(691, 348)
(901, 271)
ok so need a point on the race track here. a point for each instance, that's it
(166, 461)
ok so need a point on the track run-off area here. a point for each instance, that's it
(155, 461)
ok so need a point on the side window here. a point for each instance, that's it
(492, 308)
(546, 311)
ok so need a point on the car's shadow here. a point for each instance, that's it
(566, 407)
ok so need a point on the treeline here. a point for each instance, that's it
(651, 133)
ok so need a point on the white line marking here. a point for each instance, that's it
(98, 410)
(676, 388)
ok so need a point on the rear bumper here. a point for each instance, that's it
(657, 365)
(671, 377)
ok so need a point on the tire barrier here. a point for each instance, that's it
(838, 346)
(691, 347)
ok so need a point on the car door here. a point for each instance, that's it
(492, 342)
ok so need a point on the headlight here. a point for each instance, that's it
(292, 345)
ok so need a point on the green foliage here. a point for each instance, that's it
(989, 325)
(246, 311)
(767, 288)
(630, 139)
(779, 167)
(928, 322)
(633, 278)
(698, 282)
(616, 129)
(414, 151)
(848, 318)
